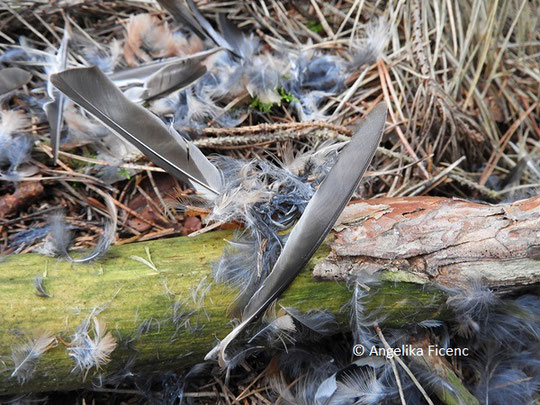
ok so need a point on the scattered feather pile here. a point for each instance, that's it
(88, 91)
(266, 199)
(503, 347)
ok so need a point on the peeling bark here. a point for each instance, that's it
(447, 241)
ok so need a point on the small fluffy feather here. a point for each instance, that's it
(473, 303)
(91, 349)
(191, 109)
(323, 73)
(224, 80)
(105, 60)
(18, 152)
(180, 317)
(360, 386)
(506, 379)
(263, 78)
(279, 328)
(372, 47)
(107, 238)
(59, 239)
(308, 370)
(41, 291)
(474, 299)
(312, 78)
(26, 356)
(361, 322)
(14, 150)
(12, 121)
(147, 37)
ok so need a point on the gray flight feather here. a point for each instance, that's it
(160, 78)
(94, 91)
(317, 220)
(55, 107)
(13, 78)
(173, 77)
(193, 18)
(54, 111)
(137, 76)
(235, 37)
(181, 14)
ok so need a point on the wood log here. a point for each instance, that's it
(445, 241)
(139, 289)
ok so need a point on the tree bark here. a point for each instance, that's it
(440, 240)
(413, 242)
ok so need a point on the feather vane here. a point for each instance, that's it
(94, 91)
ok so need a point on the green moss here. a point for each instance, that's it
(314, 26)
(131, 292)
(285, 97)
(124, 173)
(260, 106)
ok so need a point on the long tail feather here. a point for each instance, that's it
(91, 89)
(322, 211)
(316, 221)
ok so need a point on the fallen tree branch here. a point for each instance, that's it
(25, 192)
(446, 241)
(157, 301)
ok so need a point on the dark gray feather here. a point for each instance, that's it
(91, 89)
(322, 211)
(208, 29)
(181, 14)
(233, 35)
(13, 78)
(193, 18)
(173, 77)
(54, 110)
(316, 221)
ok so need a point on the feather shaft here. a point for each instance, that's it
(55, 108)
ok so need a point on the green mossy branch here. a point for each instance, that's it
(129, 292)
